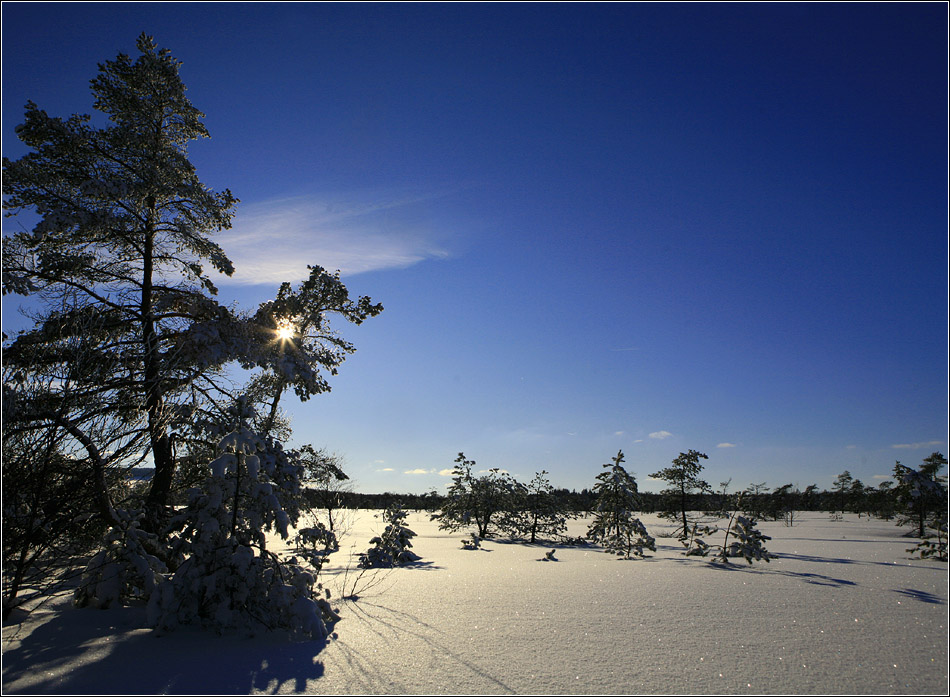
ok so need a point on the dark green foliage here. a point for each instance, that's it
(842, 488)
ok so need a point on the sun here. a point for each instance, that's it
(285, 330)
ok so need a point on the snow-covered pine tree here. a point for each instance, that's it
(118, 259)
(124, 232)
(393, 546)
(614, 526)
(748, 541)
(472, 542)
(747, 538)
(922, 494)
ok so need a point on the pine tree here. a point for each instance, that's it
(125, 362)
(683, 475)
(922, 494)
(476, 500)
(614, 525)
(747, 540)
(842, 488)
(536, 511)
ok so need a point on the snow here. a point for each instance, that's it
(842, 608)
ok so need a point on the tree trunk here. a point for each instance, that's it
(157, 499)
(683, 510)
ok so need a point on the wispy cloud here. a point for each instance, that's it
(274, 241)
(917, 446)
(418, 470)
(660, 435)
(446, 472)
(386, 469)
(726, 445)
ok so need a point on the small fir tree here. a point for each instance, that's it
(747, 540)
(614, 526)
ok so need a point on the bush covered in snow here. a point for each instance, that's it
(393, 546)
(123, 569)
(229, 579)
(472, 542)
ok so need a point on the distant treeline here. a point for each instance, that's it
(761, 501)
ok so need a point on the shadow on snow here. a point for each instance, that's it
(113, 654)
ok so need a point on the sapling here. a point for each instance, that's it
(748, 539)
(316, 543)
(474, 542)
(934, 543)
(614, 526)
(392, 547)
(695, 545)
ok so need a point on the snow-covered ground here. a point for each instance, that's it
(843, 609)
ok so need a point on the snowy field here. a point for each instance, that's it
(843, 609)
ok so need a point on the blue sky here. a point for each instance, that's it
(647, 227)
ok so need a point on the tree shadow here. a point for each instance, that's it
(392, 626)
(922, 596)
(842, 560)
(818, 579)
(421, 566)
(110, 652)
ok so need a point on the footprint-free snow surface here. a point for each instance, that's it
(842, 608)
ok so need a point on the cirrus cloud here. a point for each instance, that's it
(917, 446)
(273, 241)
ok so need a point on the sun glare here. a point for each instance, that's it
(285, 330)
